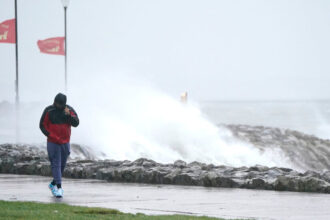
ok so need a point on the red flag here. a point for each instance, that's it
(7, 31)
(55, 45)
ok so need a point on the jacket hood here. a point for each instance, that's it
(60, 99)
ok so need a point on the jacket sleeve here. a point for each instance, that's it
(44, 122)
(74, 120)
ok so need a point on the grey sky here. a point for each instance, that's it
(220, 50)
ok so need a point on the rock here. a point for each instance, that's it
(258, 168)
(26, 159)
(312, 184)
(149, 163)
(326, 175)
(180, 164)
(286, 183)
(257, 183)
(220, 181)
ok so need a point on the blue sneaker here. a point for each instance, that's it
(53, 189)
(59, 193)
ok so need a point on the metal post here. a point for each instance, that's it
(66, 46)
(16, 35)
(17, 136)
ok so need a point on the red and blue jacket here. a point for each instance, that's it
(56, 125)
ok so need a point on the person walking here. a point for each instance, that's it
(55, 123)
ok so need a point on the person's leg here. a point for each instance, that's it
(65, 152)
(54, 155)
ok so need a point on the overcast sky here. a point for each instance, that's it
(215, 50)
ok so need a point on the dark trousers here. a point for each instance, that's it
(58, 155)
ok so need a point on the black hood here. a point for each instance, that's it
(60, 99)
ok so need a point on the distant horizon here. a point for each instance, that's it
(210, 101)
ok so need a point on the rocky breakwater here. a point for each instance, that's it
(305, 152)
(24, 159)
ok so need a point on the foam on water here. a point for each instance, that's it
(128, 119)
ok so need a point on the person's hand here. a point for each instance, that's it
(67, 111)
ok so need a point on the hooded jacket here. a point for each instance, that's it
(55, 124)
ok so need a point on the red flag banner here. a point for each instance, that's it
(55, 45)
(7, 31)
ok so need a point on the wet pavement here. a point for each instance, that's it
(169, 199)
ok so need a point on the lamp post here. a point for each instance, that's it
(65, 5)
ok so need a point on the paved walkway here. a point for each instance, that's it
(166, 199)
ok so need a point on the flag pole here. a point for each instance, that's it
(16, 81)
(65, 42)
(65, 4)
(16, 36)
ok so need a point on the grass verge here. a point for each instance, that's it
(33, 210)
